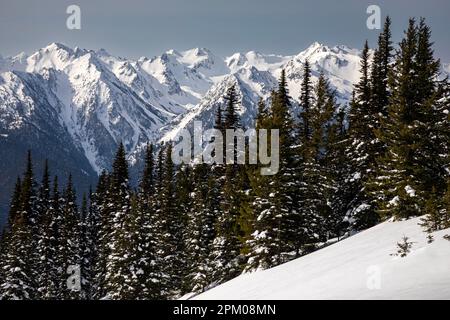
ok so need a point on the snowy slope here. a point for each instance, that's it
(349, 270)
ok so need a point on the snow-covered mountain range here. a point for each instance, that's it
(75, 105)
(101, 99)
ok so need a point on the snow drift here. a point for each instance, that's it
(360, 267)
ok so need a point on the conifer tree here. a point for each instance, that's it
(227, 246)
(338, 170)
(53, 239)
(18, 282)
(149, 233)
(200, 231)
(69, 250)
(409, 170)
(90, 231)
(379, 76)
(18, 263)
(120, 272)
(315, 188)
(263, 245)
(306, 102)
(43, 236)
(277, 227)
(100, 208)
(15, 201)
(363, 122)
(14, 209)
(172, 226)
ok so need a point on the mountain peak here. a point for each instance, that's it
(316, 47)
(173, 52)
(57, 46)
(198, 57)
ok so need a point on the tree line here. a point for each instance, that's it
(186, 228)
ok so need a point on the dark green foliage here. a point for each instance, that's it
(363, 121)
(200, 232)
(415, 157)
(403, 247)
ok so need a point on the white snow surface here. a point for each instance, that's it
(359, 267)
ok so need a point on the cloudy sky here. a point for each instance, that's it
(137, 28)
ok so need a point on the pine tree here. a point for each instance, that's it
(363, 120)
(315, 189)
(338, 170)
(306, 102)
(101, 208)
(18, 283)
(396, 167)
(433, 214)
(69, 249)
(231, 119)
(184, 187)
(227, 246)
(18, 263)
(43, 236)
(278, 227)
(432, 123)
(409, 170)
(149, 233)
(120, 271)
(200, 231)
(15, 201)
(172, 227)
(379, 75)
(262, 246)
(89, 246)
(53, 236)
(14, 210)
(28, 196)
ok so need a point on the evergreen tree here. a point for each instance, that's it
(69, 246)
(200, 231)
(120, 270)
(409, 170)
(101, 208)
(15, 201)
(227, 246)
(379, 75)
(90, 232)
(43, 236)
(18, 259)
(149, 233)
(363, 122)
(315, 189)
(184, 187)
(306, 98)
(14, 209)
(338, 170)
(172, 226)
(231, 119)
(263, 244)
(278, 227)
